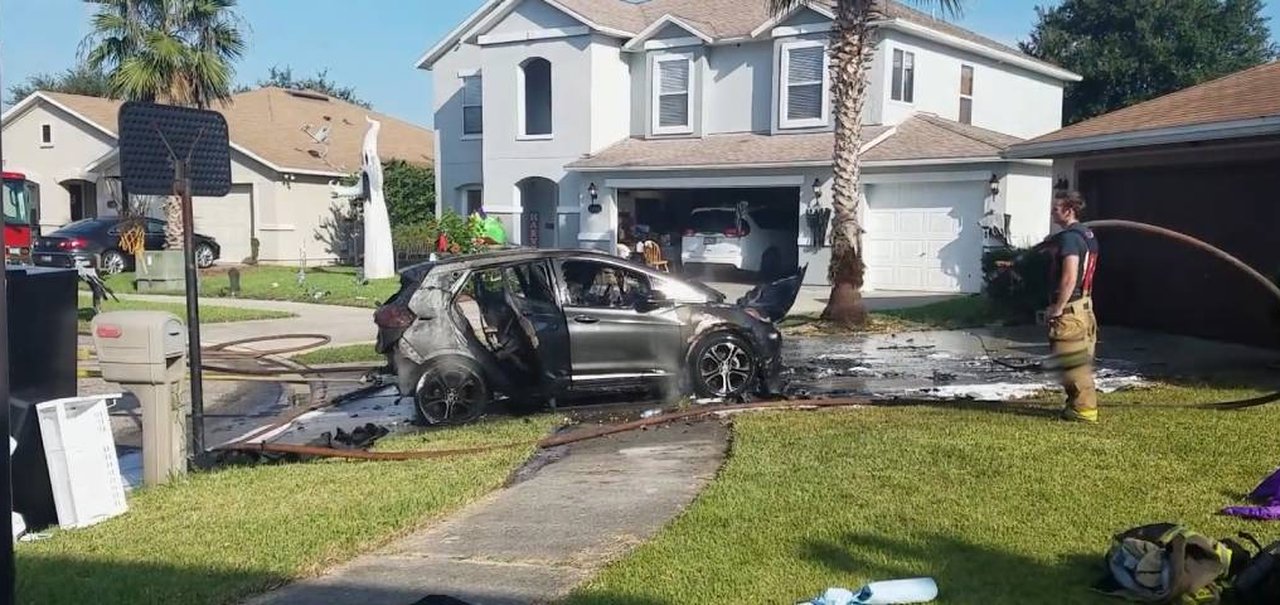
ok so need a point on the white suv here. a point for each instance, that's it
(714, 236)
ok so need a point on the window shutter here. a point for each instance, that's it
(472, 111)
(804, 82)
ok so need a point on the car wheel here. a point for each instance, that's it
(451, 391)
(112, 262)
(723, 365)
(770, 263)
(204, 256)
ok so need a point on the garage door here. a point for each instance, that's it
(925, 236)
(228, 220)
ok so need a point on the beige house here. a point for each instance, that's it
(287, 146)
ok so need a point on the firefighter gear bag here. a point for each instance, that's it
(1258, 581)
(1166, 563)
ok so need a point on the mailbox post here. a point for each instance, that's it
(144, 351)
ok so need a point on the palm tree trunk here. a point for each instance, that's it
(852, 51)
(173, 223)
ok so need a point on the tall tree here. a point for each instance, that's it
(169, 51)
(851, 50)
(1130, 51)
(282, 77)
(78, 80)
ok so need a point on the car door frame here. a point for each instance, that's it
(659, 363)
(553, 333)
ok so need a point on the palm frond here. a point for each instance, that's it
(780, 7)
(948, 8)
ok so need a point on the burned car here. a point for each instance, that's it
(535, 326)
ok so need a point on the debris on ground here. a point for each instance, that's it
(360, 438)
(1265, 499)
(888, 592)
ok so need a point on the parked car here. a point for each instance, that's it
(537, 325)
(95, 243)
(716, 236)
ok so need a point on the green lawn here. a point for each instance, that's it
(342, 354)
(1001, 508)
(217, 537)
(950, 314)
(325, 285)
(209, 314)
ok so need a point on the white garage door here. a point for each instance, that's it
(925, 236)
(228, 220)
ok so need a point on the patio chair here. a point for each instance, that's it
(653, 256)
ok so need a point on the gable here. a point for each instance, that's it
(805, 16)
(670, 31)
(532, 15)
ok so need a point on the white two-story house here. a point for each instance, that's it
(567, 118)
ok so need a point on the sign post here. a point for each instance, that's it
(179, 151)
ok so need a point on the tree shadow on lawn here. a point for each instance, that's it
(56, 578)
(965, 572)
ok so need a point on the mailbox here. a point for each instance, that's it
(139, 347)
(145, 351)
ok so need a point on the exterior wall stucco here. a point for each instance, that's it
(533, 15)
(75, 145)
(459, 158)
(738, 93)
(1027, 192)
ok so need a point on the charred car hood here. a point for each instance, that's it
(774, 299)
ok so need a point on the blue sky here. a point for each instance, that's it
(373, 49)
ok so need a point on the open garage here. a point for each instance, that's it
(679, 219)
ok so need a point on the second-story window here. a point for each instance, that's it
(535, 97)
(966, 94)
(904, 76)
(803, 100)
(672, 93)
(472, 110)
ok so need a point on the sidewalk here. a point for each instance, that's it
(535, 541)
(345, 325)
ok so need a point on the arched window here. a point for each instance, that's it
(535, 101)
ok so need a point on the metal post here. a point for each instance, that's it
(7, 579)
(182, 182)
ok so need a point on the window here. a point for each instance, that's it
(46, 135)
(472, 110)
(535, 98)
(533, 283)
(154, 227)
(904, 76)
(473, 199)
(804, 92)
(598, 285)
(672, 97)
(966, 94)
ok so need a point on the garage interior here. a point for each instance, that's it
(665, 212)
(1145, 281)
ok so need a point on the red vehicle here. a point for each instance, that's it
(20, 197)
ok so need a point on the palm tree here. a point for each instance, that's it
(852, 49)
(166, 51)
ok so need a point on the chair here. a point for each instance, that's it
(653, 256)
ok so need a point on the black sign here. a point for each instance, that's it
(154, 138)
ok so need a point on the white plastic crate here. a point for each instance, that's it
(81, 452)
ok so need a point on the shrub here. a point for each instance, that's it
(1017, 280)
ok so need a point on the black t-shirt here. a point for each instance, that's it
(1076, 240)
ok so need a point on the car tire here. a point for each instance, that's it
(112, 262)
(205, 255)
(770, 264)
(450, 392)
(723, 365)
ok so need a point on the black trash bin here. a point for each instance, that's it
(42, 365)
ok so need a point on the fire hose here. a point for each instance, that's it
(584, 435)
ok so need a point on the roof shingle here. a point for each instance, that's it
(1249, 94)
(921, 137)
(268, 122)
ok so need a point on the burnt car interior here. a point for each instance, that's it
(599, 285)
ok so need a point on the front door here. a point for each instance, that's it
(612, 333)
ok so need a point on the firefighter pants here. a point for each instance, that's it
(1073, 336)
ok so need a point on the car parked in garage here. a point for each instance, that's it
(751, 241)
(95, 243)
(537, 325)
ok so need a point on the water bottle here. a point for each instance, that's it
(892, 592)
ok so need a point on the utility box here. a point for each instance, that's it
(145, 351)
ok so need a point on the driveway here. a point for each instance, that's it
(813, 299)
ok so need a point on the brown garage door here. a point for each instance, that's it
(1150, 282)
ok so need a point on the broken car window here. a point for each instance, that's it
(533, 283)
(599, 285)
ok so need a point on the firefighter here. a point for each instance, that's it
(1073, 329)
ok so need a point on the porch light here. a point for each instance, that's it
(817, 190)
(594, 207)
(995, 185)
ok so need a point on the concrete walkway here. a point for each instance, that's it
(535, 541)
(345, 325)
